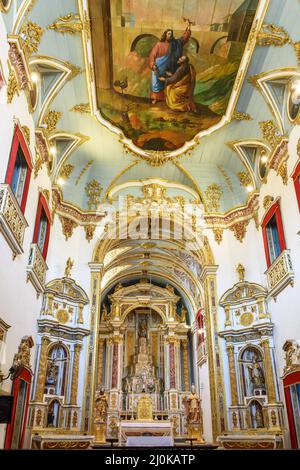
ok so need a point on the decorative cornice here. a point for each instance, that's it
(235, 215)
(66, 210)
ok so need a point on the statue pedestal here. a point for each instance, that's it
(100, 437)
(194, 432)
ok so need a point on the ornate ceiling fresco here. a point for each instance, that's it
(85, 68)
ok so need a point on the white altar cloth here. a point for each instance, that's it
(150, 441)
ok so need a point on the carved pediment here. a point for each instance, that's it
(67, 288)
(243, 291)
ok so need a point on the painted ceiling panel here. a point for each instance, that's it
(102, 156)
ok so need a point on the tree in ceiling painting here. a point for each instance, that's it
(164, 73)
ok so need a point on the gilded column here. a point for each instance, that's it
(216, 380)
(269, 371)
(116, 361)
(100, 360)
(92, 359)
(74, 384)
(232, 375)
(185, 364)
(42, 369)
(172, 363)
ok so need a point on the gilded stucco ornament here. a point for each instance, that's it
(272, 35)
(213, 195)
(31, 34)
(271, 133)
(12, 86)
(70, 24)
(239, 116)
(93, 190)
(51, 119)
(66, 171)
(22, 357)
(218, 234)
(68, 226)
(245, 178)
(83, 108)
(89, 232)
(239, 229)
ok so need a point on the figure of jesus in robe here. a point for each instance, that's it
(164, 58)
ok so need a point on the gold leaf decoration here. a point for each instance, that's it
(218, 233)
(70, 24)
(83, 108)
(31, 34)
(245, 178)
(239, 229)
(271, 133)
(272, 35)
(51, 119)
(68, 226)
(241, 116)
(268, 201)
(213, 195)
(66, 171)
(93, 190)
(89, 232)
(12, 87)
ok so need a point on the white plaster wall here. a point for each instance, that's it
(204, 392)
(19, 306)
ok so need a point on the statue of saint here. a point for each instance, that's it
(256, 373)
(192, 405)
(101, 406)
(143, 329)
(68, 268)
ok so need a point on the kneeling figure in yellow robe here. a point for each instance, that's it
(180, 87)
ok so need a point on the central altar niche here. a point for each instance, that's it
(143, 370)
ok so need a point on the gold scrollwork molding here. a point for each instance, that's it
(68, 226)
(267, 202)
(272, 35)
(83, 108)
(218, 234)
(239, 229)
(213, 195)
(31, 34)
(51, 119)
(239, 116)
(12, 87)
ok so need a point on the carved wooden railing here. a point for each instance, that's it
(280, 274)
(36, 269)
(12, 220)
